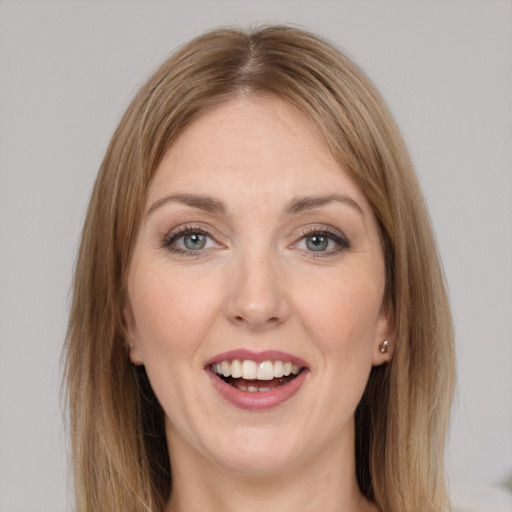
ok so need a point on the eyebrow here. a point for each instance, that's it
(303, 203)
(206, 203)
(212, 205)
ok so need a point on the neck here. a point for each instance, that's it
(326, 482)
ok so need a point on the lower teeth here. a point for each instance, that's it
(242, 385)
(252, 389)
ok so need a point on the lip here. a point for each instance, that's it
(258, 357)
(264, 400)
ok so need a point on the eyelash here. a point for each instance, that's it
(341, 242)
(181, 232)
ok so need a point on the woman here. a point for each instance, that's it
(259, 318)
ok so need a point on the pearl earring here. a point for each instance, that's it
(384, 346)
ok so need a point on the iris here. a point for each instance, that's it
(317, 243)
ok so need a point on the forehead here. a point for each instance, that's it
(261, 144)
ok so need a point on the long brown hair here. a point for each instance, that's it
(119, 451)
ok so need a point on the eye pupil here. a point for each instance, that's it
(194, 241)
(317, 243)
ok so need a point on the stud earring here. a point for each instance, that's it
(384, 346)
(131, 345)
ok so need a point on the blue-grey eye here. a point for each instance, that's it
(322, 242)
(317, 243)
(188, 240)
(194, 241)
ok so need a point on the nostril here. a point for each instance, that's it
(271, 320)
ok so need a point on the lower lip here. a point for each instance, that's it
(258, 401)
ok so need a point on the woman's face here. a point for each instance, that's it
(257, 256)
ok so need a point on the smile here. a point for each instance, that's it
(256, 381)
(248, 375)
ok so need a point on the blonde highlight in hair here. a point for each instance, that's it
(119, 452)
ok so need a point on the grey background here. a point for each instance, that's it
(68, 70)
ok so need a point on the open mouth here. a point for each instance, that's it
(256, 377)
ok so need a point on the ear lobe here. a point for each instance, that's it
(385, 340)
(383, 352)
(130, 336)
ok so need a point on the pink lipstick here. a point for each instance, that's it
(256, 381)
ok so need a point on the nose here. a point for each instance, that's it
(257, 297)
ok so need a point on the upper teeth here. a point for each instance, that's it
(251, 370)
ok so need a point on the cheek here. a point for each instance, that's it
(342, 313)
(172, 314)
(342, 317)
(172, 318)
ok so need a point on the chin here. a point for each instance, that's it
(258, 451)
(264, 463)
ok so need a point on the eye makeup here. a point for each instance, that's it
(189, 240)
(324, 241)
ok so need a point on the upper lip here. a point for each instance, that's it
(258, 357)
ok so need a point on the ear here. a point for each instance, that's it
(130, 335)
(385, 338)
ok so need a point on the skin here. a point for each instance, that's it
(257, 285)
